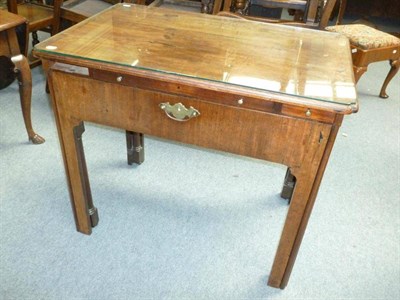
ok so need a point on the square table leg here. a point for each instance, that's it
(135, 147)
(308, 179)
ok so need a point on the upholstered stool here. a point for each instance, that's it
(370, 45)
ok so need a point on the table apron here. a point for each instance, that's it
(264, 135)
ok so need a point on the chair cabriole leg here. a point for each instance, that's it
(395, 64)
(358, 72)
(25, 91)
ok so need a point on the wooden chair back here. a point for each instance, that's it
(317, 15)
(319, 12)
(75, 11)
(205, 6)
(39, 17)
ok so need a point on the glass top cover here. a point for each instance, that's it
(289, 60)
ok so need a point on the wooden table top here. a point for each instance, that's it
(266, 58)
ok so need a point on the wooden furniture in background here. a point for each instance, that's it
(369, 45)
(307, 11)
(40, 17)
(75, 11)
(316, 16)
(340, 9)
(9, 48)
(203, 6)
(242, 6)
(284, 107)
(185, 5)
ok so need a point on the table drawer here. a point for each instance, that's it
(235, 99)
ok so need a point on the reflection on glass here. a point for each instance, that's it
(253, 55)
(266, 84)
(316, 89)
(291, 87)
(345, 90)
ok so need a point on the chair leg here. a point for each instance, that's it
(206, 6)
(395, 64)
(358, 72)
(35, 38)
(25, 92)
(33, 61)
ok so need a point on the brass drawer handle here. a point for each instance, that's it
(179, 112)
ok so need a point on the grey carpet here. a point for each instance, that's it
(193, 223)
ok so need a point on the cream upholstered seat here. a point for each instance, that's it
(365, 37)
(371, 45)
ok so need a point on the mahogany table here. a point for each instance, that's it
(271, 92)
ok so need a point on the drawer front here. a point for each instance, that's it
(216, 96)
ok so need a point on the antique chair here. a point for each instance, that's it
(370, 45)
(203, 6)
(242, 6)
(317, 15)
(39, 16)
(75, 11)
(14, 65)
(294, 7)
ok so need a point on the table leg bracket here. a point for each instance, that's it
(288, 185)
(92, 210)
(94, 216)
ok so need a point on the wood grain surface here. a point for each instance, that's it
(268, 57)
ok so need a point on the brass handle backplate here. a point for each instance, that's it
(179, 112)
